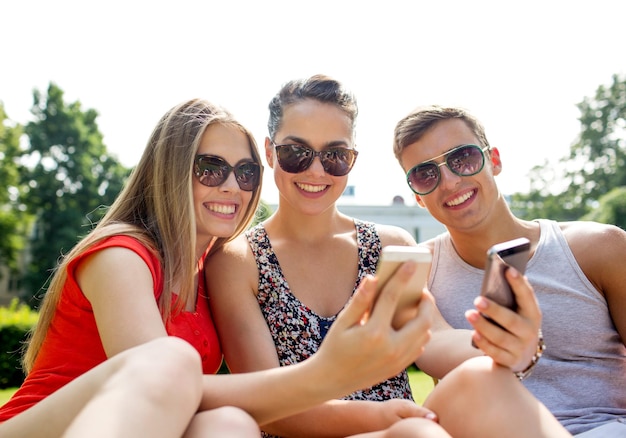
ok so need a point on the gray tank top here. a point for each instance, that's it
(581, 378)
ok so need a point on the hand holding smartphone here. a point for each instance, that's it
(499, 258)
(391, 258)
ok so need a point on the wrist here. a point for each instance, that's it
(541, 347)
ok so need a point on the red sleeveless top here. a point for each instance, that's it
(72, 345)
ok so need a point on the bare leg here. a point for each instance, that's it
(228, 421)
(150, 390)
(479, 398)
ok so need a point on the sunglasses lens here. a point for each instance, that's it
(211, 171)
(248, 176)
(338, 161)
(466, 160)
(423, 178)
(294, 158)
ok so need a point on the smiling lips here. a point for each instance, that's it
(460, 199)
(311, 188)
(222, 208)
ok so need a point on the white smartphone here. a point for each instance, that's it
(391, 258)
(499, 257)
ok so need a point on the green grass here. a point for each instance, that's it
(5, 395)
(421, 384)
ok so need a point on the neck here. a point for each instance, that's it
(297, 226)
(203, 247)
(472, 244)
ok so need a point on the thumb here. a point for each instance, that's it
(524, 294)
(359, 306)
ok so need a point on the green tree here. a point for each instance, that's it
(12, 216)
(595, 165)
(611, 209)
(71, 177)
(262, 212)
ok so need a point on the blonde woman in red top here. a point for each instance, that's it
(125, 344)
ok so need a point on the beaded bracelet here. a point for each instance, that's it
(541, 347)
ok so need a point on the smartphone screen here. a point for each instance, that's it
(390, 260)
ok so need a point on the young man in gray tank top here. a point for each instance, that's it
(576, 269)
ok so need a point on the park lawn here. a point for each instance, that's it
(421, 384)
(5, 395)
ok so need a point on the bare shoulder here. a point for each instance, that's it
(113, 259)
(430, 244)
(238, 248)
(600, 250)
(394, 235)
(587, 236)
(232, 261)
(95, 270)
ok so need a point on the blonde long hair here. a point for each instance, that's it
(156, 207)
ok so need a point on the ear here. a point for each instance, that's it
(418, 198)
(269, 152)
(496, 162)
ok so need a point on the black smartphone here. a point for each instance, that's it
(499, 257)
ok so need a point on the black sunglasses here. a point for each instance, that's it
(296, 158)
(464, 160)
(212, 171)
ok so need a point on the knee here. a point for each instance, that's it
(475, 381)
(476, 373)
(225, 421)
(415, 428)
(164, 369)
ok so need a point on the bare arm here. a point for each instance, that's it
(447, 348)
(600, 250)
(124, 304)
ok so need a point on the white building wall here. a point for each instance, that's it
(414, 219)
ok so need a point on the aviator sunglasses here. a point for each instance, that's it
(296, 158)
(464, 160)
(212, 171)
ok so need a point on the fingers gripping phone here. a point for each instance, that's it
(391, 258)
(499, 257)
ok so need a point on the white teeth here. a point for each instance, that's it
(221, 208)
(461, 199)
(311, 188)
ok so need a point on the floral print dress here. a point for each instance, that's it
(296, 329)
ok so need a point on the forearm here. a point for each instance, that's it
(446, 350)
(276, 393)
(335, 418)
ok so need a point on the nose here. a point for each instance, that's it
(316, 166)
(230, 184)
(448, 179)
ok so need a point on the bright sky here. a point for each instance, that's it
(521, 67)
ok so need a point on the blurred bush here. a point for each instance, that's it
(15, 322)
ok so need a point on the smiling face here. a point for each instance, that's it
(318, 125)
(220, 209)
(459, 201)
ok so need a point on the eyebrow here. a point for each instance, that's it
(295, 139)
(446, 152)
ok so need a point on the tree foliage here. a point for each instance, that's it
(12, 217)
(611, 209)
(595, 165)
(263, 212)
(69, 178)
